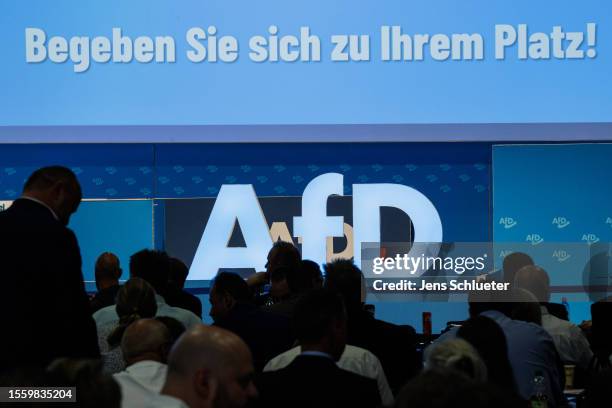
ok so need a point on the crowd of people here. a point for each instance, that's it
(290, 336)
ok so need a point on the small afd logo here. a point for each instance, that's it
(609, 221)
(560, 222)
(561, 255)
(590, 238)
(534, 239)
(504, 253)
(507, 222)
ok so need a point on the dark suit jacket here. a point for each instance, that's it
(395, 346)
(266, 334)
(44, 309)
(177, 297)
(313, 381)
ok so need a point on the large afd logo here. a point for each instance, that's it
(507, 222)
(238, 204)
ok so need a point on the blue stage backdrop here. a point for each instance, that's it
(553, 202)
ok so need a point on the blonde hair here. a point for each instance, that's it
(456, 354)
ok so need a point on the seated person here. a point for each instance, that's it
(207, 367)
(153, 267)
(395, 346)
(135, 300)
(313, 379)
(175, 294)
(571, 344)
(145, 346)
(232, 308)
(107, 274)
(354, 359)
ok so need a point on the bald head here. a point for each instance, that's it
(145, 339)
(210, 367)
(108, 270)
(214, 348)
(535, 280)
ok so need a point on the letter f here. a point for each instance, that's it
(314, 226)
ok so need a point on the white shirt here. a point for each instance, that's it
(165, 401)
(108, 314)
(354, 359)
(139, 380)
(571, 344)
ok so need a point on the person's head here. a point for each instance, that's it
(135, 300)
(228, 289)
(210, 367)
(512, 263)
(450, 388)
(58, 188)
(107, 270)
(525, 307)
(319, 320)
(152, 266)
(489, 340)
(535, 280)
(311, 272)
(94, 388)
(344, 277)
(145, 339)
(283, 254)
(456, 354)
(178, 272)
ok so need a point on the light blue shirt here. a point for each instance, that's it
(108, 315)
(530, 349)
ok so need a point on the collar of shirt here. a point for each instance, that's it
(41, 203)
(544, 310)
(316, 354)
(160, 299)
(146, 365)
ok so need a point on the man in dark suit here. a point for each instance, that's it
(43, 304)
(107, 273)
(313, 379)
(232, 308)
(175, 294)
(395, 346)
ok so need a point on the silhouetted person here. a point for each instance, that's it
(232, 308)
(42, 296)
(571, 343)
(395, 346)
(145, 346)
(208, 367)
(488, 339)
(313, 379)
(135, 300)
(175, 294)
(281, 255)
(107, 272)
(153, 267)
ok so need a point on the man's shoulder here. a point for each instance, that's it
(187, 317)
(106, 315)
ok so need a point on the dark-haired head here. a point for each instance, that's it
(344, 277)
(227, 290)
(319, 321)
(152, 266)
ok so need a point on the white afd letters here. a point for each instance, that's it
(238, 203)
